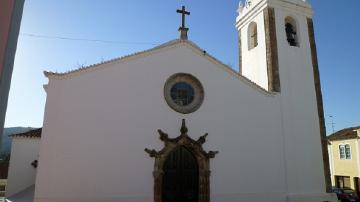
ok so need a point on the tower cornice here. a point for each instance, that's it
(253, 7)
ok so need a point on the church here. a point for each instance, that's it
(175, 124)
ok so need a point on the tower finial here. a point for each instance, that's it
(183, 30)
(183, 129)
(241, 7)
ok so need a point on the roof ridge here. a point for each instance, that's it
(50, 73)
(167, 44)
(346, 133)
(345, 129)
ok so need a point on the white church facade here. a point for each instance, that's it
(174, 124)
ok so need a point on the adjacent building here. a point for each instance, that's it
(344, 151)
(2, 188)
(10, 18)
(23, 164)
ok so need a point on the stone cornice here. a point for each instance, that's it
(246, 16)
(295, 6)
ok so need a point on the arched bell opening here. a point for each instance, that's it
(291, 30)
(252, 35)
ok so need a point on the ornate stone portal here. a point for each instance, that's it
(195, 147)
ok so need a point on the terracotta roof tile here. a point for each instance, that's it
(36, 133)
(344, 134)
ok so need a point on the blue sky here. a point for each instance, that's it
(134, 25)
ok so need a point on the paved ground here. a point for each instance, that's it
(27, 195)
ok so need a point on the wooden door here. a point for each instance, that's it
(181, 177)
(357, 185)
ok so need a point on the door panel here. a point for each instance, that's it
(181, 177)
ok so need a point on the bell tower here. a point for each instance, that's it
(278, 52)
(270, 30)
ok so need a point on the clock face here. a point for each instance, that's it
(183, 93)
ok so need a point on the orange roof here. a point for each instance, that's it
(36, 133)
(344, 134)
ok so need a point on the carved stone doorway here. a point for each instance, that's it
(188, 153)
(181, 177)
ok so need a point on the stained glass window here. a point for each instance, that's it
(182, 93)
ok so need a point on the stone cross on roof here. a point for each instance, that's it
(183, 30)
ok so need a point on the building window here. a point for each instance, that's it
(342, 181)
(2, 190)
(345, 151)
(342, 151)
(252, 35)
(183, 93)
(291, 33)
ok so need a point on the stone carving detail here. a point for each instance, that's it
(248, 3)
(244, 6)
(240, 8)
(195, 146)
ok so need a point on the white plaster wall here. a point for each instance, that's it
(95, 133)
(21, 173)
(97, 125)
(299, 108)
(331, 163)
(358, 156)
(300, 123)
(254, 65)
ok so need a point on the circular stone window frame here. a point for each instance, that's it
(194, 83)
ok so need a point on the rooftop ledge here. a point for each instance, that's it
(246, 6)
